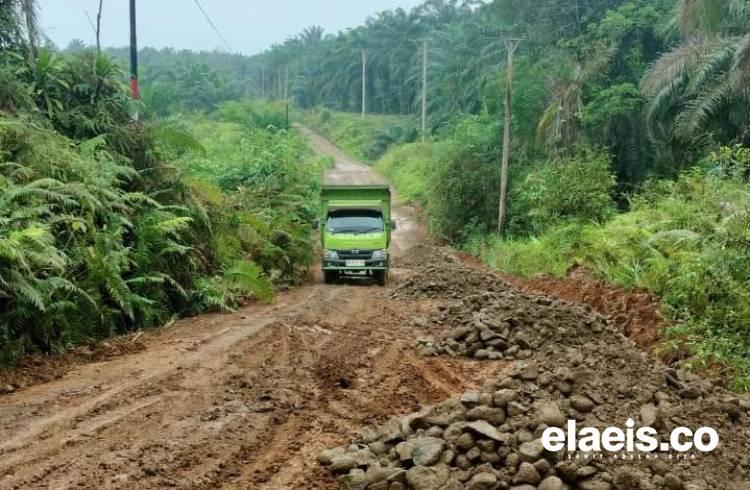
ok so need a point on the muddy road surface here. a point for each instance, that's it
(246, 400)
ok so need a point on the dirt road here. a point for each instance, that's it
(235, 401)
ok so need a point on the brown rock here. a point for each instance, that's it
(493, 415)
(427, 450)
(551, 483)
(527, 474)
(581, 403)
(427, 478)
(481, 481)
(531, 451)
(487, 430)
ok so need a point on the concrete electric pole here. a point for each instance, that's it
(424, 91)
(286, 95)
(364, 83)
(511, 44)
(134, 89)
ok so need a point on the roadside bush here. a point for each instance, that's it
(550, 253)
(408, 168)
(464, 185)
(578, 188)
(86, 249)
(102, 233)
(259, 188)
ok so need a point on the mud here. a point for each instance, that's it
(38, 369)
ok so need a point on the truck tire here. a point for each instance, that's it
(381, 277)
(330, 277)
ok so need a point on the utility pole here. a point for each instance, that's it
(511, 44)
(286, 95)
(263, 81)
(424, 91)
(280, 83)
(134, 89)
(364, 83)
(99, 28)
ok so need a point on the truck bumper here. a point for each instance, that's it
(340, 265)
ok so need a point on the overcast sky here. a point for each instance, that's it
(249, 26)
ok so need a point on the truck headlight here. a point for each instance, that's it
(380, 255)
(331, 255)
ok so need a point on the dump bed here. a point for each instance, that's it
(356, 197)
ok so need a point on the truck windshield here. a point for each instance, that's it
(355, 221)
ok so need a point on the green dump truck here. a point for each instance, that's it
(355, 223)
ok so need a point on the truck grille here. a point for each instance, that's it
(351, 255)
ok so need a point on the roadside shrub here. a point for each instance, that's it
(578, 188)
(550, 253)
(464, 185)
(87, 249)
(408, 168)
(259, 188)
(253, 114)
(107, 227)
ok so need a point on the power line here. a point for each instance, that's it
(213, 26)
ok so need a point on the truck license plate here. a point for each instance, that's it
(355, 263)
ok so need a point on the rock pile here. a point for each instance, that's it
(505, 325)
(447, 281)
(573, 365)
(422, 254)
(490, 439)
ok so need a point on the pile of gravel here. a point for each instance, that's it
(447, 281)
(490, 439)
(493, 326)
(422, 254)
(577, 366)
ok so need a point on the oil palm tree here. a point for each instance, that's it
(704, 82)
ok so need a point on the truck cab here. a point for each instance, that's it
(355, 223)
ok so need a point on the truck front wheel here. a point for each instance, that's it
(330, 277)
(381, 277)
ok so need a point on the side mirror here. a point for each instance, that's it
(315, 224)
(393, 225)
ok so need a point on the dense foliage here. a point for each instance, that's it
(259, 187)
(179, 81)
(108, 226)
(686, 241)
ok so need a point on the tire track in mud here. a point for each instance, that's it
(365, 371)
